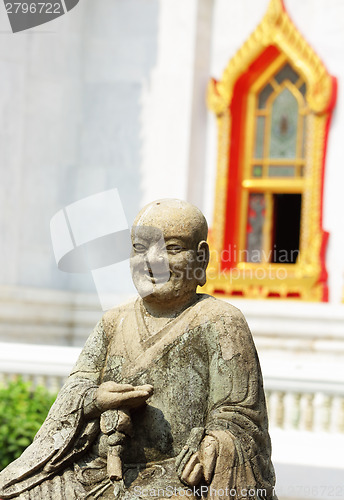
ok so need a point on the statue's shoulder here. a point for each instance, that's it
(230, 324)
(112, 317)
(218, 308)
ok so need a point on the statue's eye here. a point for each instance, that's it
(139, 248)
(174, 248)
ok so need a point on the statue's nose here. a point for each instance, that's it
(156, 259)
(154, 253)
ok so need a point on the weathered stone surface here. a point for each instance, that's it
(167, 393)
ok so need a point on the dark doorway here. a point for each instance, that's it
(286, 228)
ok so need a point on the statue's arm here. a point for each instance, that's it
(233, 398)
(91, 361)
(86, 374)
(235, 381)
(64, 433)
(103, 396)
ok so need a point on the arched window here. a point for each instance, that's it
(273, 180)
(273, 107)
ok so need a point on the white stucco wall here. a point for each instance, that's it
(40, 111)
(166, 104)
(73, 123)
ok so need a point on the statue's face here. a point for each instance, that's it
(164, 261)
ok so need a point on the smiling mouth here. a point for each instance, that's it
(157, 278)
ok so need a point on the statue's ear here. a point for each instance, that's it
(203, 260)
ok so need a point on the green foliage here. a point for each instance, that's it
(22, 412)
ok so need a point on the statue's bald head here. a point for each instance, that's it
(169, 253)
(173, 215)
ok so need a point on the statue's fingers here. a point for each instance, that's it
(132, 398)
(196, 475)
(190, 465)
(193, 471)
(149, 388)
(119, 387)
(129, 399)
(208, 459)
(182, 459)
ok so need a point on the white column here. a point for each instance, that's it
(198, 136)
(166, 116)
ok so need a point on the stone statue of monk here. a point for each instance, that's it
(166, 398)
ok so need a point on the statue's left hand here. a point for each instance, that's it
(201, 464)
(111, 396)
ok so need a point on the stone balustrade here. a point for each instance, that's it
(41, 364)
(305, 405)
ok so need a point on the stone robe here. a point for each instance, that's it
(206, 376)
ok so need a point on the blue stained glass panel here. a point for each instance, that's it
(281, 171)
(287, 73)
(284, 119)
(255, 224)
(303, 89)
(260, 129)
(304, 136)
(264, 95)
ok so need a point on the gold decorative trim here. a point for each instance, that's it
(276, 29)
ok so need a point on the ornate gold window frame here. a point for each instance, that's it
(277, 37)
